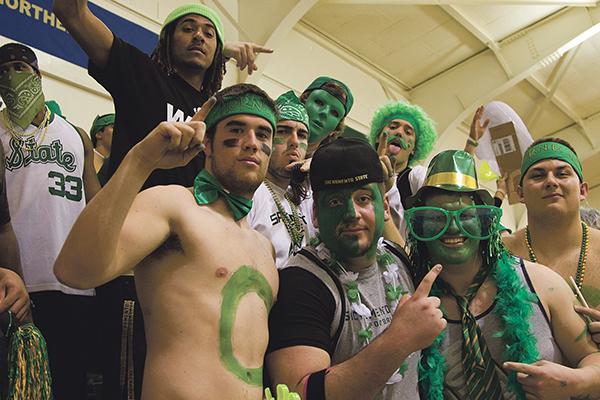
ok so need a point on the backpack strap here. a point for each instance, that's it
(329, 277)
(398, 252)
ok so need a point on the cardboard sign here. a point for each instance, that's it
(508, 155)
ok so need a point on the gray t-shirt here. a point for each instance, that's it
(308, 312)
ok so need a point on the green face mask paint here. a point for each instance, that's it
(303, 146)
(337, 208)
(245, 280)
(22, 93)
(325, 113)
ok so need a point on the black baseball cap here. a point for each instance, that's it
(18, 52)
(343, 163)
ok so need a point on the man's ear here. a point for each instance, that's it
(520, 193)
(583, 191)
(386, 208)
(207, 146)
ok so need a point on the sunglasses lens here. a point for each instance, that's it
(479, 223)
(427, 224)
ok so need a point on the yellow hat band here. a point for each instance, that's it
(452, 179)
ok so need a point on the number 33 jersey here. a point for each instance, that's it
(44, 184)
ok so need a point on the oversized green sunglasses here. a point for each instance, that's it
(475, 222)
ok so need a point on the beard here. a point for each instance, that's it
(236, 184)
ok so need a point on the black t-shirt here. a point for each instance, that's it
(303, 313)
(144, 96)
(4, 212)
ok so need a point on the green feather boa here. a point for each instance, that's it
(514, 309)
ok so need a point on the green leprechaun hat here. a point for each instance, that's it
(454, 171)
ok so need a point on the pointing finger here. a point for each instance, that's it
(427, 283)
(382, 143)
(205, 109)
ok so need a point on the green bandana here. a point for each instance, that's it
(199, 9)
(290, 108)
(100, 122)
(22, 93)
(550, 151)
(248, 103)
(322, 80)
(207, 190)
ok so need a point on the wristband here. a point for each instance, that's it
(472, 141)
(315, 387)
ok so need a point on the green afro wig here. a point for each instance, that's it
(424, 126)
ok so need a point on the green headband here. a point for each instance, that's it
(199, 9)
(248, 103)
(100, 122)
(322, 80)
(290, 108)
(550, 151)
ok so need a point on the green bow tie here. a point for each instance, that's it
(207, 190)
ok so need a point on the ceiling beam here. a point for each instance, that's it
(556, 76)
(459, 16)
(582, 124)
(570, 3)
(453, 95)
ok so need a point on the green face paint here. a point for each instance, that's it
(451, 253)
(405, 145)
(336, 214)
(584, 333)
(303, 146)
(591, 295)
(325, 113)
(278, 140)
(22, 93)
(245, 280)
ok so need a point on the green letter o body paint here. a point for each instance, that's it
(245, 280)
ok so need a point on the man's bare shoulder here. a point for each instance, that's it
(168, 196)
(515, 243)
(595, 241)
(549, 285)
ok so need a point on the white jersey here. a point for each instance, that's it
(265, 218)
(416, 178)
(45, 197)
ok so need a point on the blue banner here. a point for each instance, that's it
(32, 22)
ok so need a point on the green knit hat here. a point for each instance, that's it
(100, 122)
(454, 171)
(199, 9)
(322, 80)
(290, 108)
(425, 133)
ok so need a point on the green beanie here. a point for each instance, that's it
(199, 9)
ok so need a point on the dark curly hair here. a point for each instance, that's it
(162, 55)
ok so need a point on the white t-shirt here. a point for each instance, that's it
(45, 197)
(416, 179)
(266, 219)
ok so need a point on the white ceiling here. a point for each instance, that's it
(416, 43)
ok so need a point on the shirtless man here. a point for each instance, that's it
(552, 188)
(205, 306)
